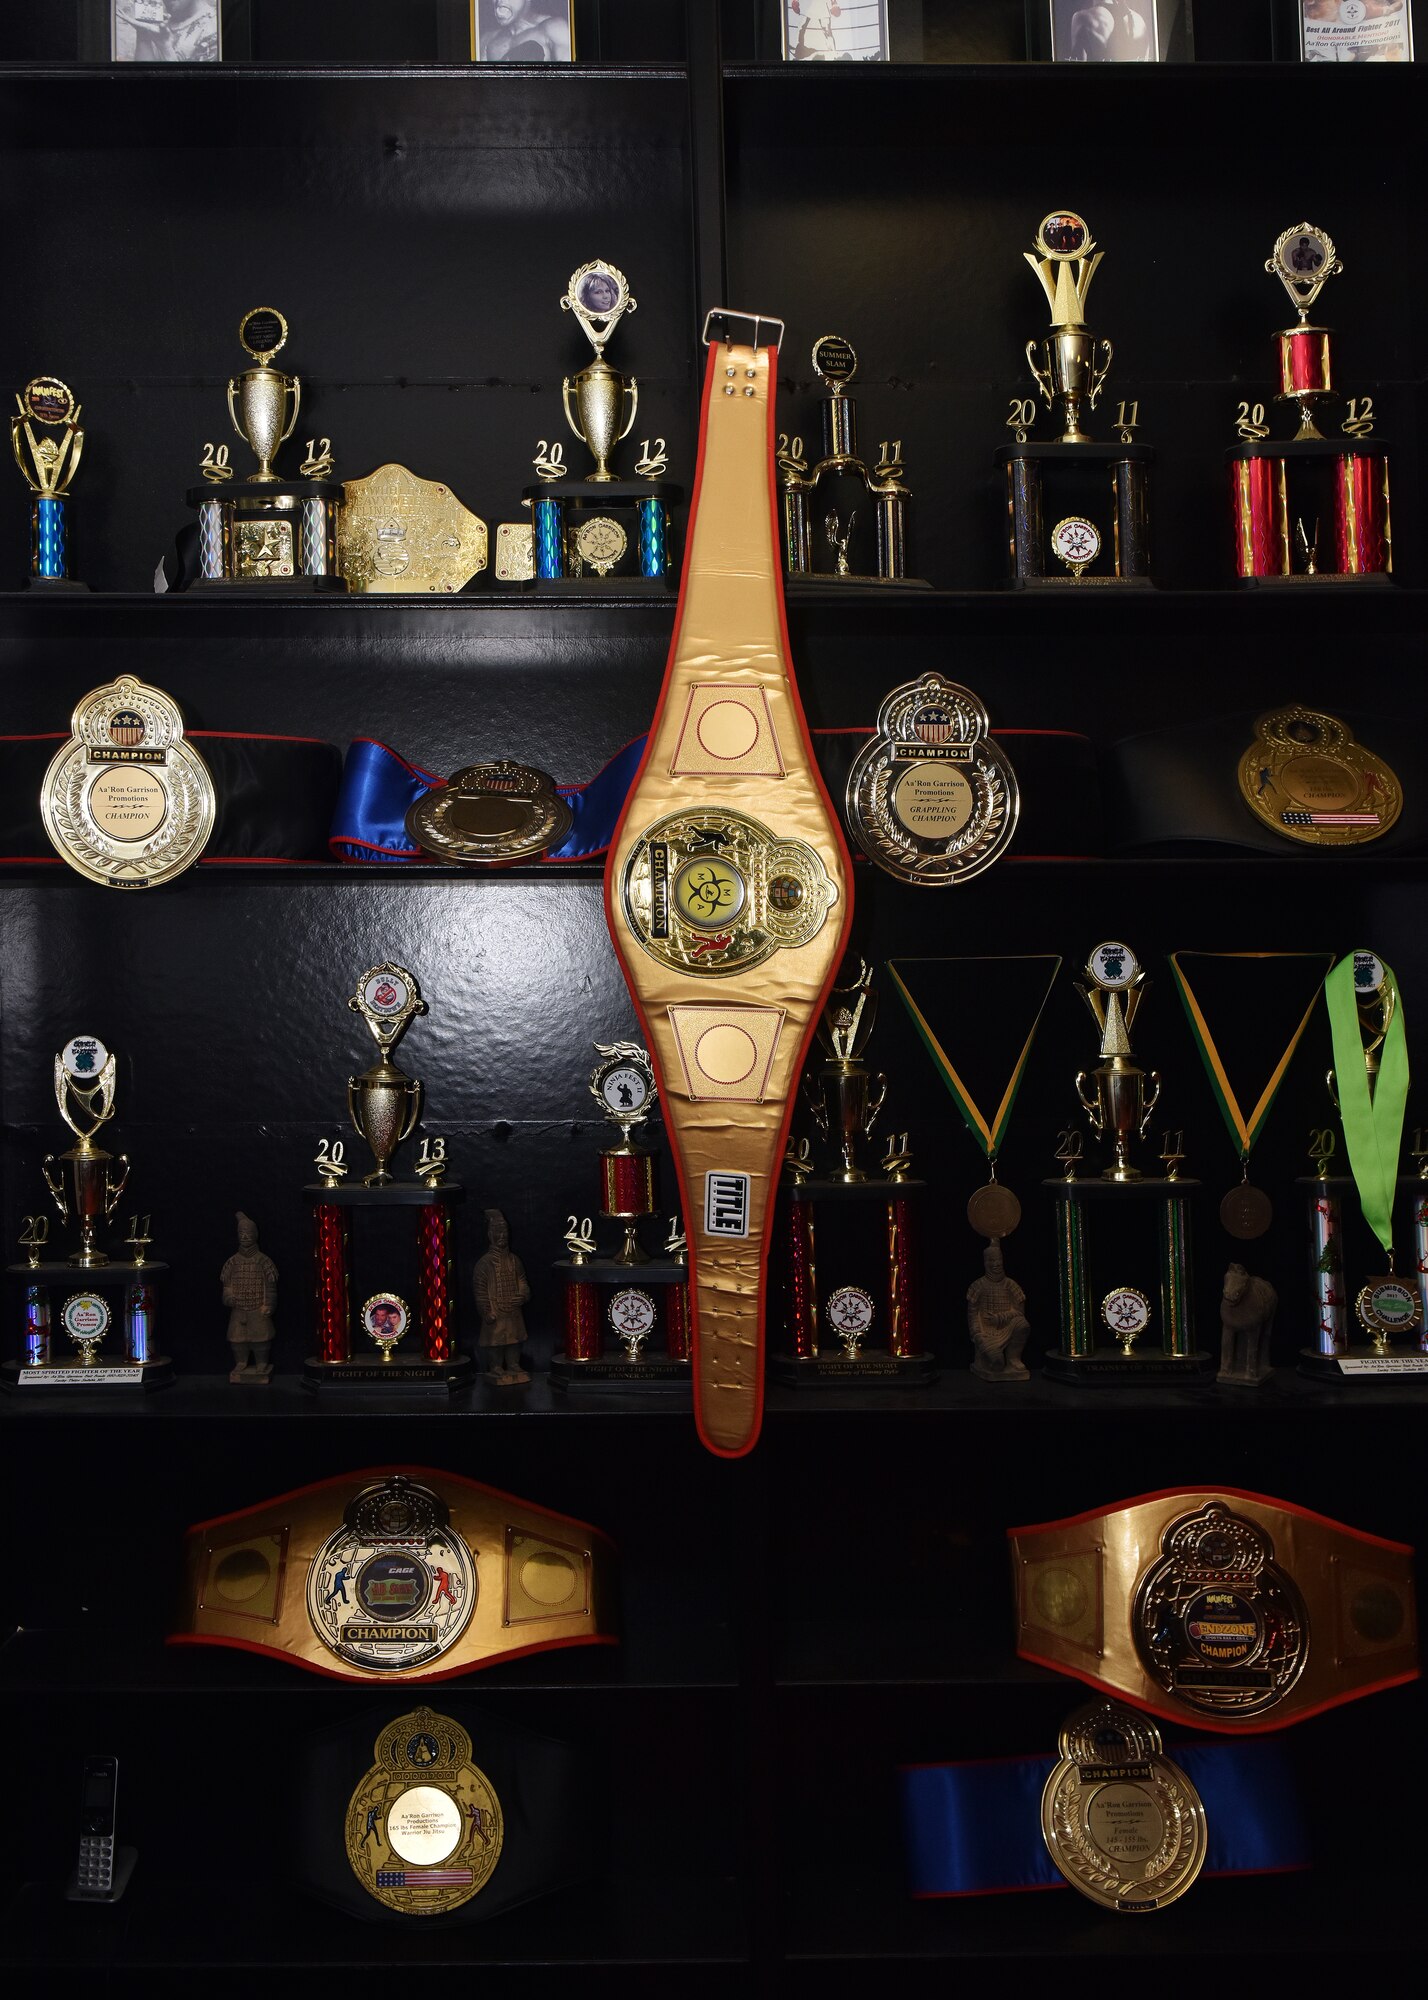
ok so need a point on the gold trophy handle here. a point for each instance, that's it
(352, 1108)
(877, 1098)
(1151, 1101)
(1091, 1105)
(565, 399)
(55, 1183)
(634, 388)
(413, 1109)
(1097, 383)
(295, 385)
(1043, 375)
(232, 413)
(112, 1191)
(815, 1097)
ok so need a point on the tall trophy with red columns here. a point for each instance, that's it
(1314, 509)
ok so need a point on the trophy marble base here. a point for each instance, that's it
(613, 1371)
(813, 583)
(98, 1375)
(1367, 579)
(853, 1371)
(1108, 1365)
(1364, 1363)
(53, 583)
(411, 1375)
(1082, 583)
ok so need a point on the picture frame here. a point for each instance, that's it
(1356, 31)
(228, 24)
(835, 30)
(1109, 31)
(523, 31)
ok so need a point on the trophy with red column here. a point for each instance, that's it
(627, 1318)
(1315, 508)
(392, 1343)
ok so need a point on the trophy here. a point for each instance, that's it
(856, 1283)
(841, 489)
(383, 1104)
(1311, 479)
(1118, 1098)
(1056, 492)
(640, 1302)
(267, 532)
(86, 1184)
(49, 462)
(601, 525)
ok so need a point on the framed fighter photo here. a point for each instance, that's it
(165, 31)
(523, 31)
(1356, 31)
(835, 30)
(1108, 31)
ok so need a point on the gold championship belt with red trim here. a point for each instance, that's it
(728, 887)
(388, 1575)
(1219, 1608)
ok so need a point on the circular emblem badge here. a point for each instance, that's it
(1126, 1313)
(1306, 778)
(623, 1083)
(127, 801)
(1122, 1822)
(850, 1312)
(385, 1318)
(698, 892)
(424, 1828)
(395, 1586)
(85, 1318)
(600, 542)
(632, 1315)
(1063, 235)
(1388, 1309)
(262, 333)
(84, 1058)
(930, 798)
(501, 811)
(1076, 542)
(47, 400)
(834, 360)
(1113, 966)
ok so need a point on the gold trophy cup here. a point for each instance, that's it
(845, 1100)
(598, 295)
(1070, 362)
(83, 1181)
(263, 393)
(1120, 1106)
(384, 1103)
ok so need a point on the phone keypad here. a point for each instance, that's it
(96, 1863)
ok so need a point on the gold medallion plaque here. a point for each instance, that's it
(1123, 1823)
(1305, 777)
(424, 1828)
(501, 811)
(127, 801)
(401, 533)
(931, 798)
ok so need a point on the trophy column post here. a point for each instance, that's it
(1130, 479)
(892, 534)
(210, 541)
(678, 1327)
(1176, 1292)
(317, 536)
(802, 1280)
(582, 1320)
(654, 537)
(549, 539)
(436, 1306)
(1326, 1269)
(1077, 1334)
(1261, 515)
(1420, 1255)
(1024, 511)
(140, 1311)
(1363, 540)
(903, 1329)
(35, 1339)
(49, 540)
(329, 1273)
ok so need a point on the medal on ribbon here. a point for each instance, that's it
(1246, 1211)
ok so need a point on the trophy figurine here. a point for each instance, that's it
(841, 487)
(501, 1288)
(249, 1282)
(266, 530)
(1118, 1098)
(1281, 493)
(1113, 988)
(1063, 483)
(83, 1181)
(47, 441)
(600, 525)
(384, 1103)
(845, 1099)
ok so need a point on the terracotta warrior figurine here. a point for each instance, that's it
(1247, 1309)
(997, 1322)
(501, 1290)
(250, 1291)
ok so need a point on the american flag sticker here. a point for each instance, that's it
(424, 1878)
(726, 1204)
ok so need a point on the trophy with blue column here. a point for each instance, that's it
(600, 526)
(47, 441)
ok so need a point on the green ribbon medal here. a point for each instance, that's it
(1371, 1080)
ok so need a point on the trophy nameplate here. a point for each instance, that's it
(931, 799)
(1306, 778)
(502, 811)
(515, 552)
(1124, 1824)
(397, 532)
(127, 801)
(424, 1827)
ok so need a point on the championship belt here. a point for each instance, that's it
(406, 1575)
(728, 886)
(1219, 1608)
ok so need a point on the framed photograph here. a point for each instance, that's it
(523, 31)
(835, 30)
(165, 31)
(1353, 31)
(1108, 31)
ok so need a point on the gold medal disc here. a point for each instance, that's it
(1246, 1212)
(503, 811)
(424, 1828)
(930, 798)
(993, 1211)
(1306, 778)
(1124, 1825)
